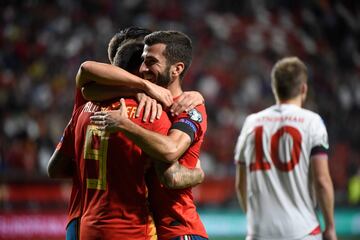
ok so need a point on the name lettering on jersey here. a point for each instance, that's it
(91, 107)
(281, 119)
(131, 111)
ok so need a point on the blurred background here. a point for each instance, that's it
(235, 45)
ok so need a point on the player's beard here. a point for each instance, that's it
(164, 78)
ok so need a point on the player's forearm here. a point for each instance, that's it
(240, 187)
(96, 92)
(107, 74)
(241, 196)
(159, 147)
(325, 195)
(178, 176)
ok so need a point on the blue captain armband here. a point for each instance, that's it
(187, 126)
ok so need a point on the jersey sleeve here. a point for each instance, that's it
(240, 144)
(66, 144)
(192, 122)
(319, 137)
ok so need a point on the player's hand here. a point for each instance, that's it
(161, 94)
(186, 102)
(151, 107)
(329, 234)
(111, 120)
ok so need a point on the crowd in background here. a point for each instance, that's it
(42, 44)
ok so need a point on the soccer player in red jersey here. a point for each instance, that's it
(111, 209)
(61, 164)
(167, 55)
(74, 209)
(112, 167)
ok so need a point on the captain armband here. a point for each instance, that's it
(318, 150)
(186, 126)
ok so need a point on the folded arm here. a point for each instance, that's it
(165, 148)
(110, 75)
(98, 92)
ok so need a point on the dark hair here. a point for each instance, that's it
(178, 47)
(124, 35)
(287, 76)
(128, 55)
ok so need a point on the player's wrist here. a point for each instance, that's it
(145, 85)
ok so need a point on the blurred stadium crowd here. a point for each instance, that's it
(236, 43)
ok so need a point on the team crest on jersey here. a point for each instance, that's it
(195, 115)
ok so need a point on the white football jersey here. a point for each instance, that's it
(276, 145)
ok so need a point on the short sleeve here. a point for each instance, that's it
(66, 144)
(193, 122)
(319, 136)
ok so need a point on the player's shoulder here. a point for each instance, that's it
(311, 115)
(253, 117)
(197, 114)
(201, 108)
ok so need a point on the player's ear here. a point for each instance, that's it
(176, 69)
(304, 90)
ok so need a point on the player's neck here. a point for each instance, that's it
(175, 88)
(297, 101)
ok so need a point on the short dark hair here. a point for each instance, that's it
(178, 47)
(128, 55)
(124, 35)
(287, 76)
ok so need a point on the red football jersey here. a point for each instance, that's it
(174, 210)
(111, 170)
(66, 147)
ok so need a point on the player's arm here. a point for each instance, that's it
(240, 185)
(177, 176)
(165, 148)
(107, 74)
(99, 92)
(60, 166)
(325, 192)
